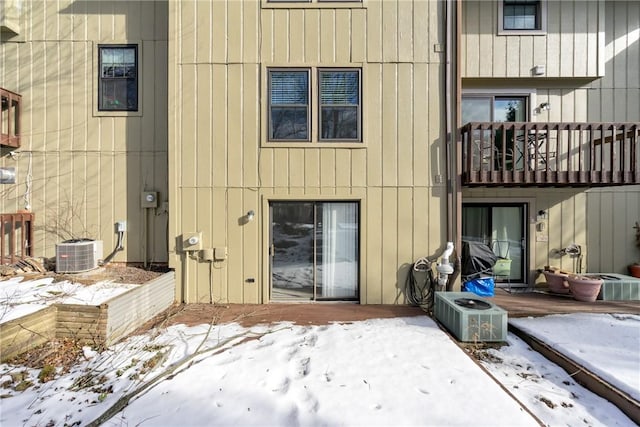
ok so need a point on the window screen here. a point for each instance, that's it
(340, 104)
(289, 105)
(118, 80)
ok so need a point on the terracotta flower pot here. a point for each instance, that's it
(634, 270)
(557, 282)
(584, 288)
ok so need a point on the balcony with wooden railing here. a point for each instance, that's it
(16, 236)
(10, 107)
(550, 154)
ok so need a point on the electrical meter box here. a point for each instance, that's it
(149, 199)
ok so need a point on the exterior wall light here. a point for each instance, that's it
(250, 215)
(545, 106)
(539, 70)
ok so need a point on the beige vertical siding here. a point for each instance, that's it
(616, 96)
(221, 167)
(599, 220)
(565, 223)
(571, 46)
(79, 171)
(612, 214)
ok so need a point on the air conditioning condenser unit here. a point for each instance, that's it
(78, 255)
(470, 318)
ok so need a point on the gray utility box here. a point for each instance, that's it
(477, 323)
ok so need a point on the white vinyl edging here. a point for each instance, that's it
(95, 324)
(129, 310)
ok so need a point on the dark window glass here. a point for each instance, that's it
(289, 105)
(521, 15)
(340, 104)
(118, 80)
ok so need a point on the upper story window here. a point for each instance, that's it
(340, 105)
(289, 105)
(334, 109)
(118, 79)
(481, 108)
(525, 16)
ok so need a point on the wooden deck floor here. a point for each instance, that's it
(520, 304)
(524, 304)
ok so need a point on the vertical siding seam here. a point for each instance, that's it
(242, 119)
(334, 48)
(398, 31)
(241, 25)
(350, 13)
(575, 40)
(412, 91)
(226, 121)
(304, 44)
(211, 37)
(288, 47)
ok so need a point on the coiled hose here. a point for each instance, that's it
(420, 285)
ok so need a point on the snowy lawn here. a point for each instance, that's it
(607, 345)
(402, 371)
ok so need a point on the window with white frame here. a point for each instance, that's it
(337, 98)
(527, 16)
(118, 78)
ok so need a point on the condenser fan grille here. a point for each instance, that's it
(472, 303)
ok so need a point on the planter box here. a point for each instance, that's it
(131, 309)
(103, 324)
(26, 332)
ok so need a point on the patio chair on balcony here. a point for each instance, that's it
(501, 161)
(492, 153)
(534, 143)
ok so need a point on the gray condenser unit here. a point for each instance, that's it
(470, 318)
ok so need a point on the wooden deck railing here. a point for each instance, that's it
(550, 154)
(16, 236)
(10, 105)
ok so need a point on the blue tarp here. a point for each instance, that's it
(482, 286)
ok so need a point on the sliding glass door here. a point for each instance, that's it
(501, 227)
(314, 250)
(490, 108)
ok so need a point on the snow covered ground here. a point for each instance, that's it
(402, 371)
(20, 297)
